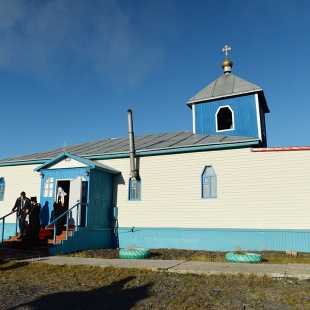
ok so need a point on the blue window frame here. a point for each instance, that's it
(2, 186)
(208, 183)
(134, 189)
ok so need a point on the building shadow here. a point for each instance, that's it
(118, 180)
(44, 213)
(111, 297)
(16, 265)
(114, 235)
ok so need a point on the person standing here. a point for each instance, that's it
(22, 207)
(32, 234)
(61, 205)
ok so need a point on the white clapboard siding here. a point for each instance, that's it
(18, 179)
(263, 190)
(255, 190)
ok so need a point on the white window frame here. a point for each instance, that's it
(48, 187)
(232, 115)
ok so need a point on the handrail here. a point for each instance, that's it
(3, 223)
(67, 219)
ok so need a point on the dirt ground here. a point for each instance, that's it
(158, 254)
(273, 257)
(40, 286)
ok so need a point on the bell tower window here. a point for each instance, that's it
(224, 119)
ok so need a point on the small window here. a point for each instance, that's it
(2, 186)
(134, 189)
(224, 119)
(48, 187)
(208, 183)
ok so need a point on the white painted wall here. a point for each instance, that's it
(71, 163)
(255, 190)
(18, 179)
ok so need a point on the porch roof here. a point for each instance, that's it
(90, 163)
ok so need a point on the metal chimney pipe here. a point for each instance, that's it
(132, 151)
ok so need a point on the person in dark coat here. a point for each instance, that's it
(22, 207)
(32, 234)
(61, 205)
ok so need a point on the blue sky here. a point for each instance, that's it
(70, 70)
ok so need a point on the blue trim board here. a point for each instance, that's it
(60, 157)
(87, 162)
(19, 163)
(215, 239)
(9, 230)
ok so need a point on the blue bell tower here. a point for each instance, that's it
(230, 106)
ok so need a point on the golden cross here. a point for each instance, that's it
(225, 49)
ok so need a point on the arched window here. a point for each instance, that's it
(2, 186)
(134, 189)
(208, 183)
(48, 187)
(224, 119)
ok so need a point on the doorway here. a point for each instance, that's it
(73, 188)
(65, 185)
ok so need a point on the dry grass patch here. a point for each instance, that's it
(87, 287)
(269, 257)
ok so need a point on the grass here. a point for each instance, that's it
(39, 285)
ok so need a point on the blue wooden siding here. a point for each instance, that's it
(215, 239)
(100, 199)
(245, 117)
(47, 209)
(9, 230)
(84, 239)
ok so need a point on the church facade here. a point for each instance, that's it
(217, 187)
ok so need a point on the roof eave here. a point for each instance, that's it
(260, 92)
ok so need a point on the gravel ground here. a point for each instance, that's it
(41, 286)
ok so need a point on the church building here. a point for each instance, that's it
(217, 187)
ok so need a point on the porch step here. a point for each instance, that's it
(36, 250)
(41, 247)
(47, 234)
